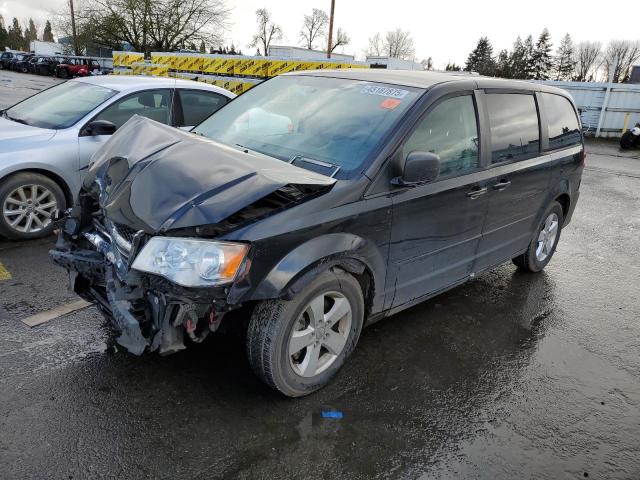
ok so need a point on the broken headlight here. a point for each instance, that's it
(191, 263)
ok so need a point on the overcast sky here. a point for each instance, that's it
(444, 30)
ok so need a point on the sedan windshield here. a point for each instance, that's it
(329, 125)
(60, 106)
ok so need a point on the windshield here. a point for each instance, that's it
(60, 106)
(329, 125)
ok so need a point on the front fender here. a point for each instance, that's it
(303, 263)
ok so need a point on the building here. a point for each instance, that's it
(299, 53)
(392, 63)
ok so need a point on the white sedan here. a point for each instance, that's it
(46, 141)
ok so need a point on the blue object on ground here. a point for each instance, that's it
(330, 414)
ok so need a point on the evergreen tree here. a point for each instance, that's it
(4, 35)
(47, 35)
(31, 33)
(565, 62)
(452, 67)
(481, 58)
(518, 62)
(14, 35)
(541, 60)
(203, 47)
(503, 65)
(528, 58)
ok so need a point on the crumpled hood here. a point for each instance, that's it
(153, 177)
(16, 133)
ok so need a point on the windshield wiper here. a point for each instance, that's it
(316, 165)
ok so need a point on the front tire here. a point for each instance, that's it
(297, 346)
(29, 202)
(544, 241)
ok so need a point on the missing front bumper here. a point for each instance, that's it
(146, 318)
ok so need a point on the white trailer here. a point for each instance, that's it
(46, 48)
(299, 53)
(392, 63)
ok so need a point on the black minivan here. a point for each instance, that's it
(315, 204)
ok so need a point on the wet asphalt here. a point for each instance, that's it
(508, 376)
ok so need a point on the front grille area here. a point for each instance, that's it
(125, 232)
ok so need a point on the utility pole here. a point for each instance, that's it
(333, 7)
(73, 29)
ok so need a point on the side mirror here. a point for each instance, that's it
(419, 168)
(98, 127)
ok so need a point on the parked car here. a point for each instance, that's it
(46, 140)
(30, 64)
(316, 203)
(6, 57)
(77, 67)
(46, 65)
(20, 62)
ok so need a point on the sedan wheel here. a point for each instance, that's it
(29, 208)
(29, 202)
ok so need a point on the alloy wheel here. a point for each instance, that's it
(547, 237)
(320, 334)
(29, 208)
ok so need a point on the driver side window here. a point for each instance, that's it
(153, 104)
(449, 130)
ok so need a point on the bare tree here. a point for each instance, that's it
(313, 27)
(587, 60)
(399, 44)
(147, 25)
(340, 39)
(267, 31)
(627, 52)
(376, 46)
(427, 63)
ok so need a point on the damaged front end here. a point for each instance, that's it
(141, 240)
(149, 312)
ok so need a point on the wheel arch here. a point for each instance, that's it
(561, 193)
(59, 180)
(565, 202)
(344, 251)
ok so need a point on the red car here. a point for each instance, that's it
(76, 67)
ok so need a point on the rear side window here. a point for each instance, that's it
(564, 129)
(513, 119)
(198, 105)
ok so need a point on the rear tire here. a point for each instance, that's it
(278, 327)
(16, 205)
(63, 73)
(627, 141)
(544, 241)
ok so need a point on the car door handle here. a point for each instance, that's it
(501, 185)
(476, 192)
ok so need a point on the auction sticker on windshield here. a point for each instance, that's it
(384, 91)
